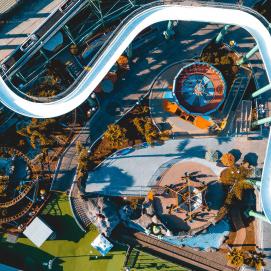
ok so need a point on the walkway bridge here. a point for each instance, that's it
(184, 256)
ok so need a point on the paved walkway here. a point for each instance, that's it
(131, 173)
(28, 17)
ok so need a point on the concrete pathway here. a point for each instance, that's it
(131, 173)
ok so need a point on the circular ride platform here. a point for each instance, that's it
(199, 88)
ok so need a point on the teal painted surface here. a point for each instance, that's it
(213, 238)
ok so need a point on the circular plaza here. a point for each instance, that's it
(189, 196)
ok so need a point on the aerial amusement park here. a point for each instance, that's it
(135, 135)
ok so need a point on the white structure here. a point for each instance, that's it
(37, 232)
(121, 41)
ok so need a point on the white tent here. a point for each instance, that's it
(37, 232)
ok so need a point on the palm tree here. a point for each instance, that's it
(141, 110)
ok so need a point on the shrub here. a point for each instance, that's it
(212, 156)
(146, 128)
(116, 135)
(227, 159)
(236, 257)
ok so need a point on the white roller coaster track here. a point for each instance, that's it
(119, 42)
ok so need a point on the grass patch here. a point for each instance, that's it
(71, 248)
(150, 263)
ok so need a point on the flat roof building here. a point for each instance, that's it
(37, 232)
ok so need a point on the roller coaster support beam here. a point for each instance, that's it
(248, 55)
(251, 213)
(69, 34)
(261, 90)
(261, 121)
(169, 32)
(222, 33)
(129, 50)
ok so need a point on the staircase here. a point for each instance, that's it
(235, 96)
(78, 206)
(240, 123)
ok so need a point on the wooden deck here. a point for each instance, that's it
(183, 256)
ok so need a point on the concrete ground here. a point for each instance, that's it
(131, 173)
(22, 22)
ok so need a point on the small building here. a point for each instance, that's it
(101, 244)
(38, 232)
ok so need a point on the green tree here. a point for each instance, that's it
(3, 184)
(151, 132)
(83, 160)
(235, 179)
(146, 128)
(116, 135)
(139, 124)
(141, 110)
(39, 131)
(79, 147)
(234, 174)
(236, 257)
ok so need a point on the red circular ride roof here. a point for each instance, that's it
(199, 88)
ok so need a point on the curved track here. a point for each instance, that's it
(119, 42)
(122, 38)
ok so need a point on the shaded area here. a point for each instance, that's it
(215, 195)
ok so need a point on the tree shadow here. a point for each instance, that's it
(63, 180)
(251, 158)
(182, 145)
(193, 152)
(109, 180)
(236, 153)
(52, 207)
(27, 258)
(64, 226)
(171, 221)
(222, 140)
(215, 195)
